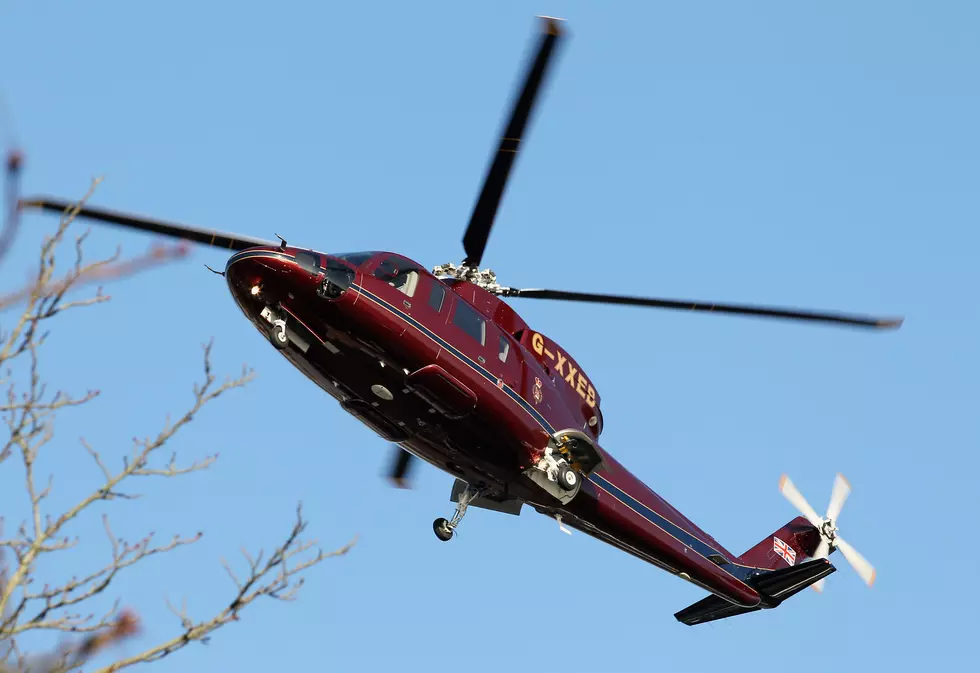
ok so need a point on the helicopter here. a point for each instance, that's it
(439, 365)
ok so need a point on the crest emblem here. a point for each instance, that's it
(538, 395)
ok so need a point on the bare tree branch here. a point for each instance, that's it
(68, 605)
(158, 254)
(277, 578)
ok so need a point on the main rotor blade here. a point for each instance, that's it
(842, 488)
(481, 220)
(769, 312)
(858, 562)
(791, 493)
(401, 466)
(217, 239)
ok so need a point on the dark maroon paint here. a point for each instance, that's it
(453, 375)
(446, 413)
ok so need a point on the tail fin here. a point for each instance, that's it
(788, 546)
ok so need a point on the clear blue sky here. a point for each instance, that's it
(814, 154)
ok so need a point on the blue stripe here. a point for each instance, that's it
(680, 534)
(694, 543)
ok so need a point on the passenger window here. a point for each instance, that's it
(437, 296)
(504, 348)
(403, 279)
(471, 322)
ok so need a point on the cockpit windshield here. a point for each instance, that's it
(355, 259)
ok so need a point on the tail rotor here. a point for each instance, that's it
(827, 526)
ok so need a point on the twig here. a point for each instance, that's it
(29, 412)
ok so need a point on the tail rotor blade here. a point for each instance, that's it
(842, 488)
(858, 562)
(823, 551)
(791, 493)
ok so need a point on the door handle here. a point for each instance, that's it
(406, 303)
(482, 360)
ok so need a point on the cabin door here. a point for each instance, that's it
(480, 340)
(401, 280)
(505, 360)
(429, 305)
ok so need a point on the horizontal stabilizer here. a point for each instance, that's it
(778, 585)
(774, 587)
(710, 609)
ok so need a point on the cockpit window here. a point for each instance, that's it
(355, 258)
(398, 273)
(308, 260)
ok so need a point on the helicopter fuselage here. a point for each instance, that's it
(438, 364)
(452, 374)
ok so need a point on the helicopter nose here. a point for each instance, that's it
(247, 263)
(266, 271)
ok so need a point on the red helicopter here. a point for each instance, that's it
(438, 364)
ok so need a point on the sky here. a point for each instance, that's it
(822, 155)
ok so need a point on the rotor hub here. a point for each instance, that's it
(484, 278)
(828, 530)
(826, 527)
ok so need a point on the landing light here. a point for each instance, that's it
(255, 290)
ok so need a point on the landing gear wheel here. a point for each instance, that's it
(442, 529)
(278, 335)
(567, 477)
(445, 530)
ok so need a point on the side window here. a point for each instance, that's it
(403, 279)
(471, 322)
(437, 296)
(504, 348)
